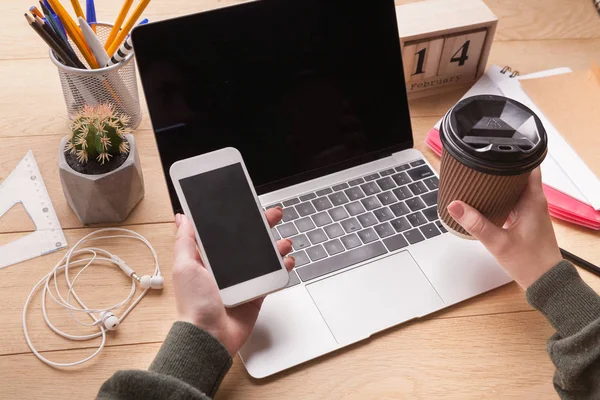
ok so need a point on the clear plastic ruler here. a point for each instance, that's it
(25, 185)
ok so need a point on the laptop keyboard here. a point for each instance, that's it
(354, 221)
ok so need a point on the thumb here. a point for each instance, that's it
(185, 241)
(476, 224)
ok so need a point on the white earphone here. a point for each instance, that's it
(106, 319)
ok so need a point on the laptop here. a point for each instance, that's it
(312, 93)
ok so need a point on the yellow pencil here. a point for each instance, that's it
(128, 26)
(118, 22)
(77, 8)
(74, 32)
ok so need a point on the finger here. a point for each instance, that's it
(476, 224)
(177, 220)
(185, 242)
(284, 246)
(274, 215)
(289, 262)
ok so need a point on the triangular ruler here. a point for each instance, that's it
(25, 185)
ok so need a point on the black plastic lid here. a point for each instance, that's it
(494, 135)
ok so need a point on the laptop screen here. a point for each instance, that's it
(302, 88)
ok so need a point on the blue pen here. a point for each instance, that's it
(90, 12)
(55, 17)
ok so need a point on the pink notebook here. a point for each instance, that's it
(560, 205)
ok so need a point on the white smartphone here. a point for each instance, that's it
(233, 234)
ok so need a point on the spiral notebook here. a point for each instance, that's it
(566, 200)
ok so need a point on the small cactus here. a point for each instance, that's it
(98, 132)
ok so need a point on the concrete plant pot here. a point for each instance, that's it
(107, 197)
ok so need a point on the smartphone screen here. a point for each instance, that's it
(230, 225)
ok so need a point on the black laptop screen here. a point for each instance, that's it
(302, 88)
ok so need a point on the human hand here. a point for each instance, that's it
(197, 294)
(526, 246)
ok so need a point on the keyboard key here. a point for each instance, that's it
(417, 163)
(275, 205)
(371, 203)
(323, 192)
(432, 183)
(341, 261)
(431, 213)
(367, 220)
(401, 224)
(316, 252)
(399, 209)
(387, 172)
(338, 198)
(351, 241)
(300, 242)
(305, 209)
(322, 203)
(305, 224)
(308, 196)
(317, 236)
(386, 183)
(338, 213)
(322, 218)
(414, 236)
(395, 242)
(334, 247)
(370, 188)
(416, 219)
(354, 193)
(356, 181)
(430, 231)
(341, 186)
(334, 231)
(402, 193)
(418, 188)
(275, 234)
(287, 230)
(387, 198)
(367, 235)
(384, 230)
(420, 173)
(290, 214)
(301, 258)
(402, 168)
(291, 202)
(351, 225)
(430, 198)
(383, 214)
(355, 208)
(401, 179)
(415, 204)
(438, 223)
(293, 281)
(372, 177)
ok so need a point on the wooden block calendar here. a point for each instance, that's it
(445, 44)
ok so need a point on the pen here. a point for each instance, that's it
(54, 16)
(125, 48)
(90, 14)
(580, 262)
(53, 21)
(93, 42)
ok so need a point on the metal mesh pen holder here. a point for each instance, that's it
(116, 85)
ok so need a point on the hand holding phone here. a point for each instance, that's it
(233, 235)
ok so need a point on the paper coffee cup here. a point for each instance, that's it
(491, 144)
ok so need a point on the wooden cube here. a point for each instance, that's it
(445, 44)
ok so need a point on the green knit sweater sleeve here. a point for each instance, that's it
(190, 365)
(573, 309)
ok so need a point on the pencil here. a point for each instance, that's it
(77, 8)
(49, 41)
(74, 33)
(128, 26)
(118, 22)
(69, 52)
(34, 10)
(580, 261)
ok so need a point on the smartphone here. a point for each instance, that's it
(233, 235)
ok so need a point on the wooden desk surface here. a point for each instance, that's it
(492, 346)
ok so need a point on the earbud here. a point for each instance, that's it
(109, 320)
(152, 282)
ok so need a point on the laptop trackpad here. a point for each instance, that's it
(357, 303)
